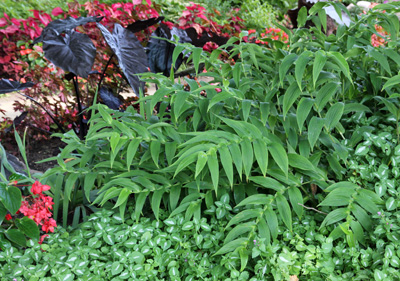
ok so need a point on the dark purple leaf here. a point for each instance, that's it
(160, 51)
(17, 121)
(204, 38)
(109, 99)
(74, 53)
(140, 25)
(66, 25)
(8, 86)
(130, 53)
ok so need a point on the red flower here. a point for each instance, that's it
(38, 188)
(42, 238)
(8, 217)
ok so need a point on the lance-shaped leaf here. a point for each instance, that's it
(140, 25)
(109, 99)
(68, 24)
(8, 86)
(130, 53)
(74, 53)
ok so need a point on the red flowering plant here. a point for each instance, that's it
(34, 210)
(22, 62)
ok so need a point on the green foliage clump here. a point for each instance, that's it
(183, 248)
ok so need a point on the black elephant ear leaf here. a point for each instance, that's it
(109, 99)
(8, 86)
(131, 56)
(161, 51)
(74, 53)
(140, 25)
(17, 121)
(66, 25)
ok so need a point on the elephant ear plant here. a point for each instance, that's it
(75, 52)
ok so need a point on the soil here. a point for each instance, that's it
(37, 150)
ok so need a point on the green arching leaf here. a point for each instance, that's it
(301, 64)
(300, 162)
(237, 71)
(325, 94)
(201, 162)
(170, 149)
(291, 95)
(239, 230)
(362, 216)
(278, 153)
(213, 166)
(104, 114)
(255, 199)
(302, 17)
(131, 151)
(284, 210)
(342, 184)
(341, 62)
(268, 182)
(393, 55)
(334, 115)
(261, 153)
(296, 198)
(231, 246)
(287, 62)
(123, 197)
(185, 162)
(319, 63)
(355, 107)
(358, 231)
(174, 194)
(227, 163)
(263, 231)
(140, 200)
(245, 215)
(156, 201)
(381, 59)
(70, 184)
(314, 130)
(196, 54)
(303, 110)
(155, 147)
(246, 106)
(323, 18)
(158, 95)
(247, 156)
(264, 111)
(237, 158)
(222, 96)
(339, 197)
(390, 106)
(11, 197)
(334, 216)
(244, 257)
(272, 221)
(179, 102)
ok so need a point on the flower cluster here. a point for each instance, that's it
(271, 33)
(376, 40)
(38, 207)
